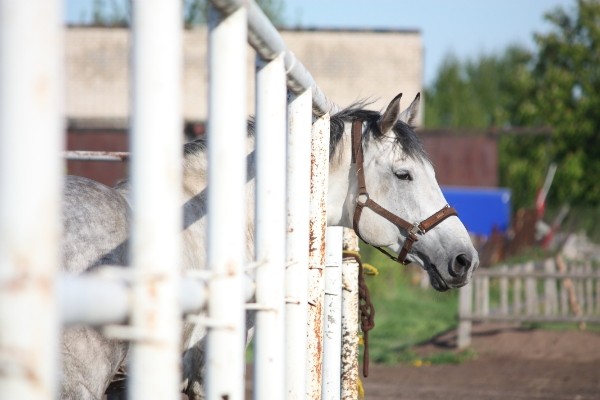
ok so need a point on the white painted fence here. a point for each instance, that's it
(552, 290)
(291, 294)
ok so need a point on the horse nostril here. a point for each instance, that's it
(460, 266)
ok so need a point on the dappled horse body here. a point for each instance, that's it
(394, 173)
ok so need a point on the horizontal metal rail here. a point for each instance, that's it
(268, 43)
(84, 155)
(105, 297)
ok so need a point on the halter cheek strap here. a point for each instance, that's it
(363, 200)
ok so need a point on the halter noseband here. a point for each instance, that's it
(363, 200)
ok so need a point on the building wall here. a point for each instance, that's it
(459, 160)
(463, 160)
(347, 65)
(98, 139)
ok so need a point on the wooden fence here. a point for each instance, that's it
(551, 290)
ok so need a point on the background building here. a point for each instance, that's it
(348, 65)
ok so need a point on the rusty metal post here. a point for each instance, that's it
(316, 262)
(296, 274)
(350, 320)
(31, 131)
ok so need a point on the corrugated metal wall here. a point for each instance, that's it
(463, 160)
(98, 139)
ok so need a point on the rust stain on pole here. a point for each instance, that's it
(350, 320)
(316, 263)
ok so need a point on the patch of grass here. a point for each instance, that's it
(405, 314)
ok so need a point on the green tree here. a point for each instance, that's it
(567, 75)
(118, 12)
(556, 86)
(490, 91)
(195, 11)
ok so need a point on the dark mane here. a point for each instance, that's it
(405, 134)
(195, 146)
(199, 145)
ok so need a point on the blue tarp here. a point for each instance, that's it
(480, 209)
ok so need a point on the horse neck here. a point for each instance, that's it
(194, 174)
(342, 183)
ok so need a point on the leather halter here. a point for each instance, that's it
(364, 200)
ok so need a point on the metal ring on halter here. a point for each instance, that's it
(359, 201)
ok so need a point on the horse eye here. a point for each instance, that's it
(403, 176)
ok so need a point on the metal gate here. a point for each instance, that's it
(289, 289)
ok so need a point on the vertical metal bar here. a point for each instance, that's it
(349, 356)
(226, 203)
(31, 128)
(316, 259)
(269, 373)
(296, 278)
(332, 338)
(156, 198)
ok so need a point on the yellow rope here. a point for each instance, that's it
(369, 269)
(361, 389)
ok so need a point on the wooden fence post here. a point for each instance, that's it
(464, 312)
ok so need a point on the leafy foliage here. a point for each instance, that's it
(195, 12)
(568, 97)
(557, 86)
(487, 92)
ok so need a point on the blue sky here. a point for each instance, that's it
(466, 28)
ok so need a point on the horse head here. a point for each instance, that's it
(383, 185)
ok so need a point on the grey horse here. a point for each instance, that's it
(399, 176)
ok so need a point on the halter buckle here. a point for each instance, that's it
(415, 229)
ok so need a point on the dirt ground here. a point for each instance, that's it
(509, 363)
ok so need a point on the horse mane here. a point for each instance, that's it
(200, 144)
(405, 134)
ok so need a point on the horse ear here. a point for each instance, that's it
(390, 116)
(409, 115)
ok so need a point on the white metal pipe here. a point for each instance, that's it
(98, 300)
(156, 198)
(316, 260)
(268, 43)
(31, 129)
(332, 337)
(84, 155)
(350, 320)
(226, 203)
(270, 228)
(296, 275)
(87, 299)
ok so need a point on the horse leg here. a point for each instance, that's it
(89, 363)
